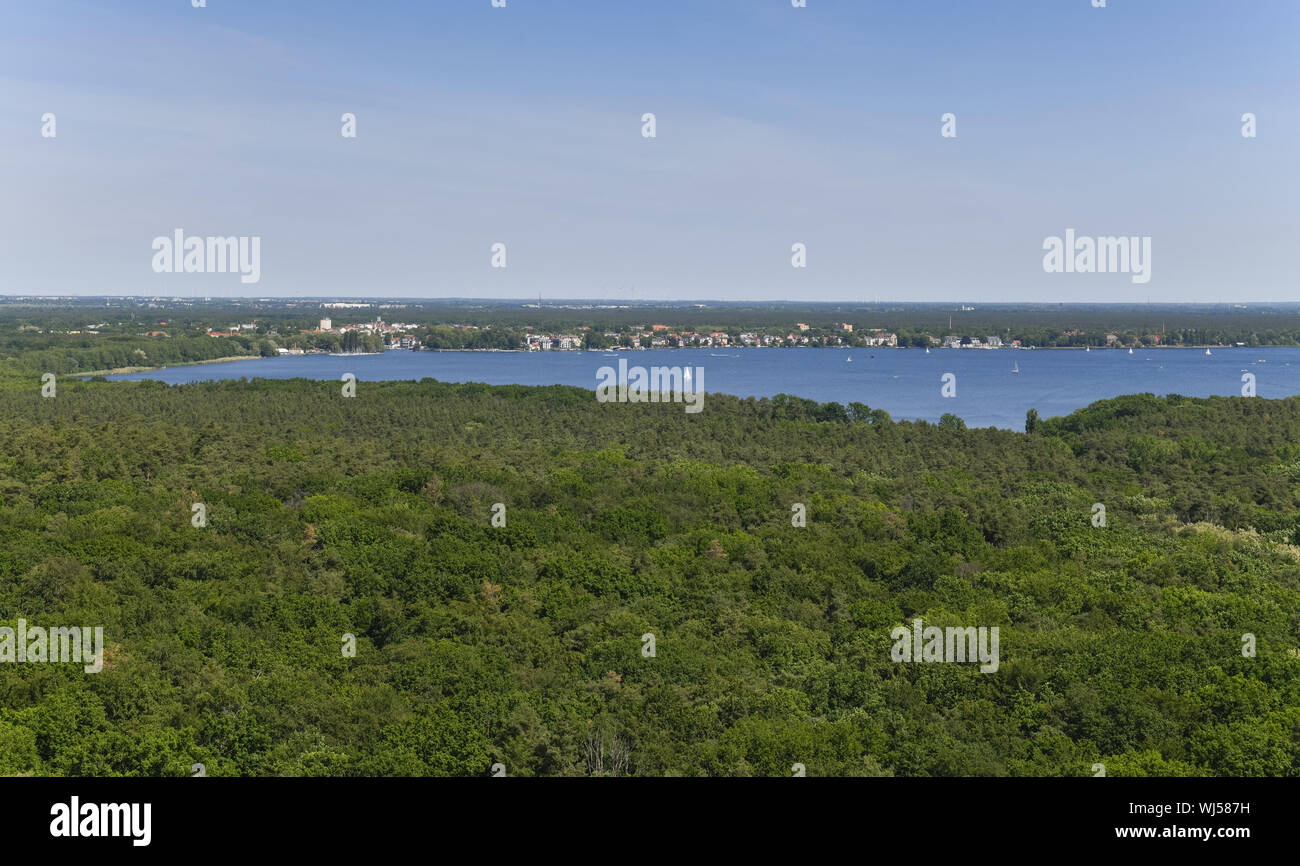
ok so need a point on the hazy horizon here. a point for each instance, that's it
(649, 301)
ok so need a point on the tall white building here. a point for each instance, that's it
(325, 324)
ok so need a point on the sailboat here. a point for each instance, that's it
(1016, 367)
(1130, 351)
(1207, 351)
(1087, 348)
(927, 351)
(848, 360)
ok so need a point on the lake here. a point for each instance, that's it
(904, 382)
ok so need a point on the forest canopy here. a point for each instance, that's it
(524, 643)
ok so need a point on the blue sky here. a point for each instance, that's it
(776, 125)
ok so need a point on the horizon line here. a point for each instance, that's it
(612, 302)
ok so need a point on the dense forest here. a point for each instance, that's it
(70, 355)
(522, 640)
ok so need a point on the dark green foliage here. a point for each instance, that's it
(523, 644)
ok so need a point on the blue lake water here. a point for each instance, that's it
(905, 383)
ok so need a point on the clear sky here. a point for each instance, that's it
(775, 125)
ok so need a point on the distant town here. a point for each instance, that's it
(665, 337)
(87, 334)
(406, 335)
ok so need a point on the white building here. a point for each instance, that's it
(325, 324)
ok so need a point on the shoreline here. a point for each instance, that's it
(120, 371)
(866, 348)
